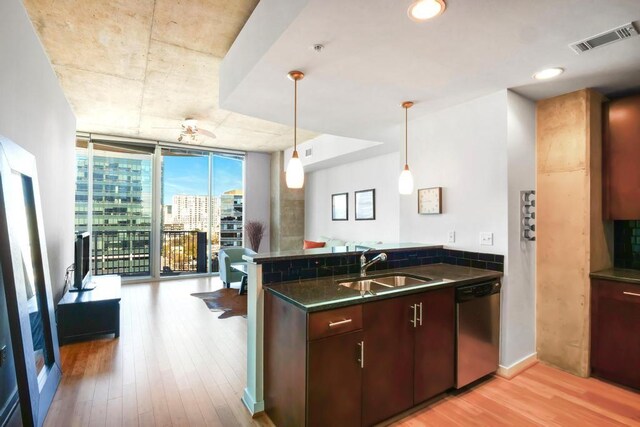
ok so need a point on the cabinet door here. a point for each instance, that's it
(434, 344)
(388, 361)
(334, 381)
(615, 347)
(621, 156)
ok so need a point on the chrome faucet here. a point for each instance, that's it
(364, 264)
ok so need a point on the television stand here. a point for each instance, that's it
(90, 313)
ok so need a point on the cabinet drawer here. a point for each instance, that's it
(617, 290)
(333, 322)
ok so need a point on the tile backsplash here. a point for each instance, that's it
(626, 244)
(333, 265)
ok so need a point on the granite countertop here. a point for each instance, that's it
(334, 250)
(618, 275)
(325, 293)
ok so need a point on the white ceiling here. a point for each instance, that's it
(375, 57)
(139, 67)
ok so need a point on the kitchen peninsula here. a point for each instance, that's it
(321, 280)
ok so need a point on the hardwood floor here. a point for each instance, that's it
(540, 396)
(176, 363)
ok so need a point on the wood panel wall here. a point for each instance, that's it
(571, 238)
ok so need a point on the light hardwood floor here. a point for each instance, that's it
(176, 363)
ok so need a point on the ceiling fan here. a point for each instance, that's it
(191, 130)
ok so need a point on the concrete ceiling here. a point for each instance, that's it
(375, 57)
(138, 68)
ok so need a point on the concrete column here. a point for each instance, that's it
(571, 236)
(287, 209)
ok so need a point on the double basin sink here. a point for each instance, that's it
(385, 283)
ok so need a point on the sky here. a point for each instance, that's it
(188, 175)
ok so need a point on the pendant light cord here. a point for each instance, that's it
(295, 115)
(406, 137)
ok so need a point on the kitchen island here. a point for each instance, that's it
(311, 268)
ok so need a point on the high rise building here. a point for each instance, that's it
(231, 210)
(121, 215)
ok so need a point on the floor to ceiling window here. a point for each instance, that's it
(195, 198)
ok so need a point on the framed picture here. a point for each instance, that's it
(430, 201)
(365, 205)
(340, 207)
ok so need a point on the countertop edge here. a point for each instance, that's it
(617, 275)
(407, 291)
(258, 259)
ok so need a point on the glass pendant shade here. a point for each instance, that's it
(405, 183)
(295, 172)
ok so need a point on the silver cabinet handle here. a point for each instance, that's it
(361, 360)
(340, 323)
(631, 293)
(420, 314)
(414, 322)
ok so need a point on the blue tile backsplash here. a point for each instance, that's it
(334, 265)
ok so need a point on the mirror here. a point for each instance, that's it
(26, 284)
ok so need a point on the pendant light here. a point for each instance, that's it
(405, 183)
(295, 172)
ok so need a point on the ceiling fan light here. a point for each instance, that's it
(421, 10)
(405, 183)
(295, 172)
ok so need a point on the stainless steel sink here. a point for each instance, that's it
(399, 280)
(363, 285)
(379, 284)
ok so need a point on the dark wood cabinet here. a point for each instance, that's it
(434, 348)
(615, 322)
(388, 368)
(357, 365)
(335, 381)
(621, 157)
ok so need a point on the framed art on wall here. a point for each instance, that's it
(340, 207)
(430, 201)
(365, 205)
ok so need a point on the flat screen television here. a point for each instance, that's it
(82, 271)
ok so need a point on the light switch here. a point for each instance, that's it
(486, 239)
(452, 237)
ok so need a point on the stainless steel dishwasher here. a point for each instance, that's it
(478, 331)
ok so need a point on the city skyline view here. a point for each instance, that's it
(188, 175)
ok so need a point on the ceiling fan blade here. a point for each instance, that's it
(206, 133)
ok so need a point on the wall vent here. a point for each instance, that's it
(604, 39)
(308, 152)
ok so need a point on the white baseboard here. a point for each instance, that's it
(509, 372)
(253, 406)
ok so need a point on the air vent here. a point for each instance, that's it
(308, 152)
(604, 39)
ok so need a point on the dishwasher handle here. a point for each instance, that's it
(471, 292)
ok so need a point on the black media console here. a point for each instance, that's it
(90, 313)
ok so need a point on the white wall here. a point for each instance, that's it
(35, 114)
(379, 172)
(518, 298)
(463, 150)
(482, 154)
(257, 200)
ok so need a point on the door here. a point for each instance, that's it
(388, 367)
(616, 322)
(334, 381)
(434, 344)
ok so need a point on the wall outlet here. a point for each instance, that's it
(452, 237)
(486, 239)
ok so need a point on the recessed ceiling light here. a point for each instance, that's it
(421, 10)
(549, 73)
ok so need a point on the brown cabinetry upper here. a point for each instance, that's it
(621, 158)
